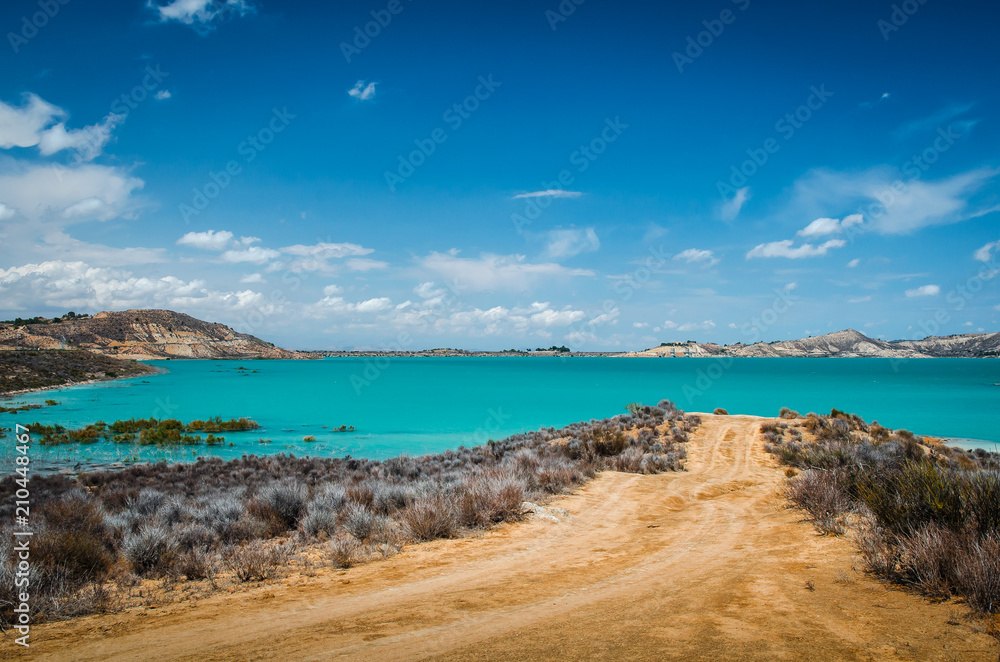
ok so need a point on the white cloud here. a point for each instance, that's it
(669, 325)
(924, 291)
(163, 95)
(29, 126)
(549, 193)
(692, 255)
(210, 240)
(984, 254)
(23, 126)
(640, 325)
(88, 142)
(339, 305)
(190, 12)
(731, 208)
(365, 264)
(362, 91)
(332, 289)
(860, 299)
(76, 284)
(567, 243)
(495, 272)
(6, 213)
(898, 204)
(85, 192)
(252, 278)
(324, 250)
(824, 226)
(853, 263)
(551, 318)
(253, 254)
(785, 248)
(374, 305)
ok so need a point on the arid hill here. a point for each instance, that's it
(847, 344)
(141, 334)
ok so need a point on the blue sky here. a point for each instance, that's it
(601, 175)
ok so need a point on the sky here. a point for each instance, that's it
(408, 174)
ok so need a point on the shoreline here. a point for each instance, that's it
(40, 389)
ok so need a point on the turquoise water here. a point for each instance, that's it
(417, 406)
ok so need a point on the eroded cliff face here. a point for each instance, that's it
(847, 344)
(143, 334)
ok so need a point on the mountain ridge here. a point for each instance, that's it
(846, 343)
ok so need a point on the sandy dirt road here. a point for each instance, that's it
(706, 564)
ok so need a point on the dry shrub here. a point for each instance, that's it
(365, 525)
(819, 494)
(977, 573)
(719, 411)
(788, 413)
(151, 550)
(343, 552)
(195, 564)
(429, 518)
(286, 500)
(256, 560)
(490, 498)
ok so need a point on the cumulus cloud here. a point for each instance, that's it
(785, 248)
(924, 291)
(570, 242)
(695, 255)
(39, 123)
(853, 263)
(339, 305)
(23, 126)
(163, 95)
(362, 90)
(76, 284)
(548, 193)
(731, 208)
(252, 278)
(200, 12)
(209, 240)
(495, 272)
(85, 192)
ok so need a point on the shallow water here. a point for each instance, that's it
(421, 405)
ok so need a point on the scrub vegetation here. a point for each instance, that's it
(103, 539)
(923, 514)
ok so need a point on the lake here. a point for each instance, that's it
(423, 405)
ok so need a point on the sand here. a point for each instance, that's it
(708, 564)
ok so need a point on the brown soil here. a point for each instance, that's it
(707, 564)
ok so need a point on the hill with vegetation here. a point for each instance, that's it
(138, 334)
(33, 369)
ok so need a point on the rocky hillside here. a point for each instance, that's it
(141, 334)
(847, 344)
